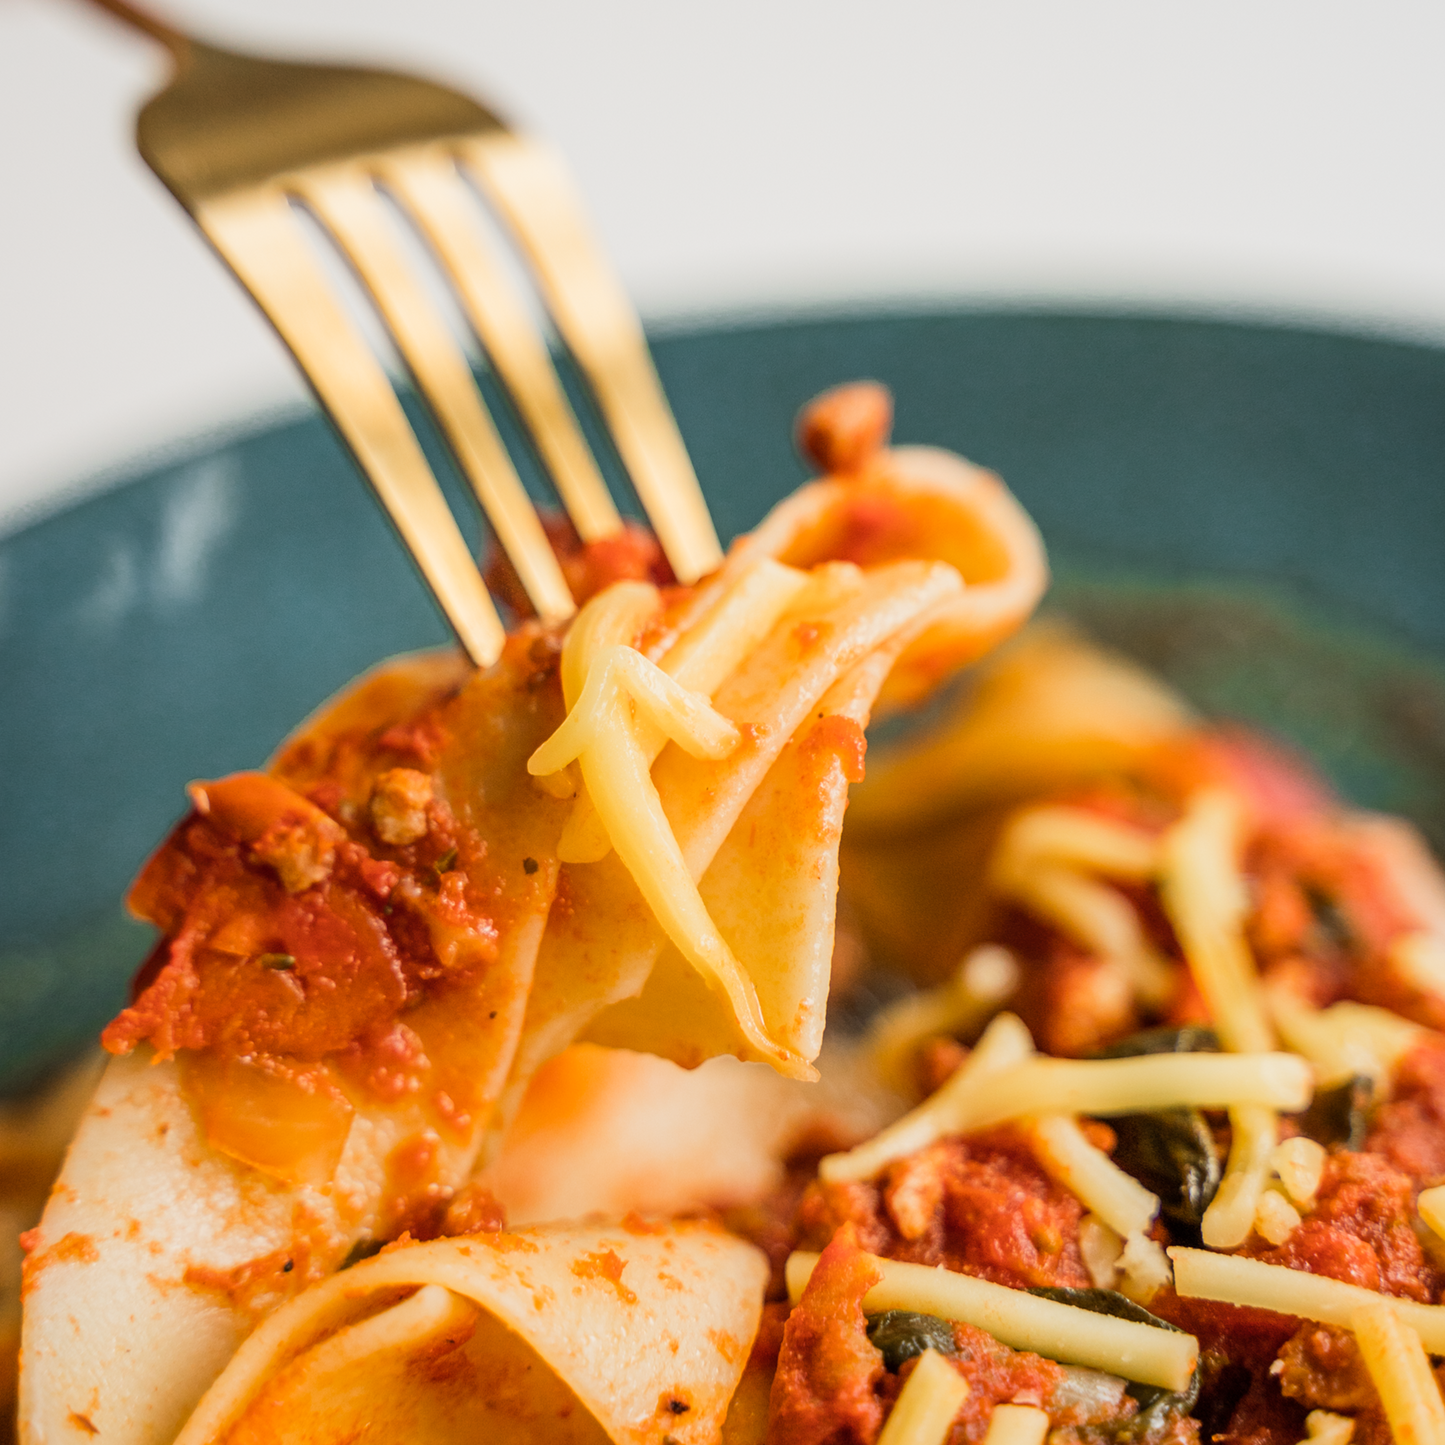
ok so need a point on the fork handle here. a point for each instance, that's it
(177, 42)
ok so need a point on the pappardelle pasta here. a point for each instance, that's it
(477, 1087)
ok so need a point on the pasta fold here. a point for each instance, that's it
(580, 1333)
(369, 950)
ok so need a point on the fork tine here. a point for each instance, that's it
(428, 185)
(346, 201)
(258, 237)
(532, 189)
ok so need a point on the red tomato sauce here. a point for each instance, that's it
(980, 1205)
(331, 927)
(294, 933)
(831, 1384)
(631, 555)
(1360, 1230)
(826, 1389)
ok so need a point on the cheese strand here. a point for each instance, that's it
(1400, 1369)
(923, 1413)
(1024, 1321)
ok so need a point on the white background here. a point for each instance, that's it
(1276, 157)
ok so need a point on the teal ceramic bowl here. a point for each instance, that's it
(1257, 512)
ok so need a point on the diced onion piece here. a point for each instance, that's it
(1300, 1164)
(984, 981)
(1145, 1268)
(1231, 1212)
(1091, 1176)
(1016, 1425)
(1396, 1360)
(1088, 1393)
(1232, 1279)
(1326, 1428)
(923, 1413)
(1101, 1248)
(1275, 1218)
(1004, 1042)
(1023, 1321)
(1432, 1208)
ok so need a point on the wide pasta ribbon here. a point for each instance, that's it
(671, 889)
(621, 697)
(577, 1334)
(914, 566)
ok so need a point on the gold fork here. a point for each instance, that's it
(241, 140)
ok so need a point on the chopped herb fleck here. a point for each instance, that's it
(1156, 1404)
(529, 865)
(447, 861)
(903, 1335)
(362, 1249)
(281, 962)
(1340, 1115)
(1331, 921)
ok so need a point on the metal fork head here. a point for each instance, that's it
(238, 139)
(228, 120)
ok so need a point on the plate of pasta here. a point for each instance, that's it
(971, 969)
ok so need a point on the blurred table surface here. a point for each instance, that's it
(1279, 160)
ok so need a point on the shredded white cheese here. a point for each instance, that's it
(1300, 1165)
(1091, 1176)
(1016, 1425)
(1043, 860)
(1431, 1204)
(1080, 839)
(984, 981)
(1275, 1218)
(1205, 897)
(1231, 1213)
(923, 1413)
(1005, 1041)
(700, 662)
(1102, 1087)
(1023, 1321)
(1400, 1369)
(612, 690)
(1233, 1279)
